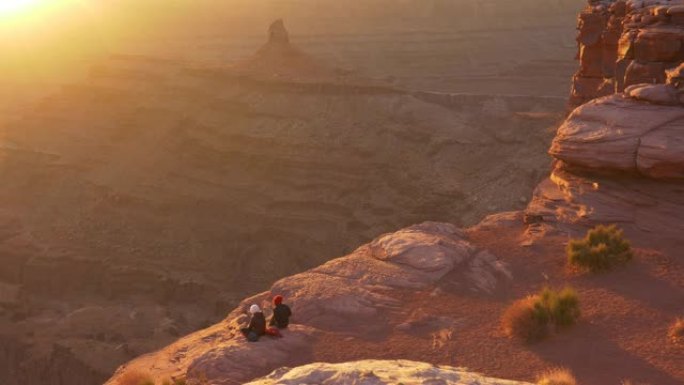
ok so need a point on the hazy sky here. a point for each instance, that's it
(51, 36)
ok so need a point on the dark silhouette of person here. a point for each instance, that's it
(281, 313)
(257, 324)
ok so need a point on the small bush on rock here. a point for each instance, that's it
(533, 317)
(676, 332)
(603, 248)
(558, 376)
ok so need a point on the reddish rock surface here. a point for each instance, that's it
(359, 295)
(622, 43)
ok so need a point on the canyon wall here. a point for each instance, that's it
(144, 201)
(622, 43)
(618, 159)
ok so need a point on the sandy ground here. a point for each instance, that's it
(621, 334)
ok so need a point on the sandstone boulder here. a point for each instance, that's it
(620, 134)
(664, 94)
(356, 287)
(377, 372)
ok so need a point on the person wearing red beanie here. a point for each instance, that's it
(281, 313)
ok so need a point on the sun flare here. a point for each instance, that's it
(11, 6)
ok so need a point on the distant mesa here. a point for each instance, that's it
(280, 59)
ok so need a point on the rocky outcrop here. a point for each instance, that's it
(359, 294)
(639, 132)
(622, 43)
(620, 159)
(376, 372)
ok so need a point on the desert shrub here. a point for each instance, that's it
(532, 318)
(562, 306)
(676, 332)
(557, 376)
(601, 249)
(526, 319)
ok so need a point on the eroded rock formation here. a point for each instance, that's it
(638, 132)
(622, 43)
(363, 288)
(280, 60)
(620, 159)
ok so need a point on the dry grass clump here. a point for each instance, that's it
(533, 317)
(557, 376)
(524, 319)
(676, 332)
(603, 248)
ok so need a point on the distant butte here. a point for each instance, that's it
(280, 59)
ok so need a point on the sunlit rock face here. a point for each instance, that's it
(622, 43)
(638, 132)
(375, 372)
(620, 159)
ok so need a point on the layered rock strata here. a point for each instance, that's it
(145, 201)
(620, 159)
(622, 43)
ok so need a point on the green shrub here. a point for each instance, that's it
(533, 317)
(562, 306)
(558, 376)
(601, 249)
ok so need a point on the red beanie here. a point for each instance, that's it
(278, 299)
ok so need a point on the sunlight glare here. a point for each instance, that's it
(10, 6)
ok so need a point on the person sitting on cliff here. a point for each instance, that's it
(281, 313)
(257, 324)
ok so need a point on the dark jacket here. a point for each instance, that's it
(281, 316)
(258, 324)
